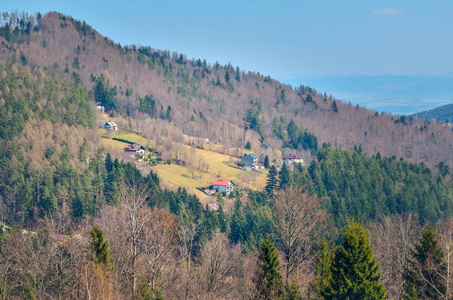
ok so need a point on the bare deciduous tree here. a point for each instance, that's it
(392, 240)
(221, 269)
(299, 220)
(445, 230)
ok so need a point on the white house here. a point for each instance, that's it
(100, 107)
(111, 126)
(135, 149)
(293, 158)
(223, 185)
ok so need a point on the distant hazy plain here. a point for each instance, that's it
(394, 94)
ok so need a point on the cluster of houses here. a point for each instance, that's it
(222, 185)
(250, 161)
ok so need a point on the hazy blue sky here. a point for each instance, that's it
(281, 38)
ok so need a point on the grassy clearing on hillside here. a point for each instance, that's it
(131, 137)
(190, 177)
(113, 144)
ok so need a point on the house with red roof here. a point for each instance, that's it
(134, 149)
(223, 185)
(293, 158)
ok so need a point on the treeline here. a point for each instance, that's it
(15, 25)
(357, 185)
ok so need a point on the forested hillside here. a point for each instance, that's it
(443, 113)
(219, 102)
(46, 141)
(77, 222)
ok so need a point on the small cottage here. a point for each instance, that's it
(111, 126)
(293, 158)
(100, 107)
(134, 149)
(249, 160)
(223, 185)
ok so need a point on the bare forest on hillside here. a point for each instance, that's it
(218, 102)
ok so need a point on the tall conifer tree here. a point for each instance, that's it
(355, 274)
(285, 177)
(100, 247)
(272, 182)
(268, 280)
(323, 273)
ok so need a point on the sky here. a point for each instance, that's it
(287, 39)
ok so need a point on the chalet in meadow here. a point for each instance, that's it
(111, 126)
(134, 149)
(223, 185)
(249, 160)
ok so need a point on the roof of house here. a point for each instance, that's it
(110, 123)
(251, 155)
(292, 156)
(133, 147)
(222, 182)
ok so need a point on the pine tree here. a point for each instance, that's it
(355, 274)
(293, 292)
(323, 274)
(284, 176)
(100, 247)
(425, 276)
(334, 106)
(268, 279)
(108, 162)
(266, 162)
(271, 185)
(143, 290)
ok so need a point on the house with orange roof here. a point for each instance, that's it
(223, 185)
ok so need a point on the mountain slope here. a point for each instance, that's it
(442, 113)
(221, 103)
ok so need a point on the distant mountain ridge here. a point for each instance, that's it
(396, 94)
(443, 113)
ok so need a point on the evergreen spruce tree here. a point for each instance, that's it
(334, 106)
(355, 274)
(143, 290)
(425, 276)
(284, 176)
(323, 274)
(100, 247)
(293, 292)
(108, 162)
(266, 162)
(271, 185)
(268, 279)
